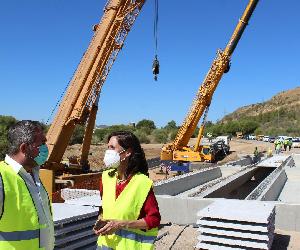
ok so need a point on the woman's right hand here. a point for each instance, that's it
(110, 227)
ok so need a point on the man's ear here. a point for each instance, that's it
(23, 148)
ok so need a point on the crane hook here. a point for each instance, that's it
(155, 68)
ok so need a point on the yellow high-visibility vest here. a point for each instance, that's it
(19, 221)
(127, 206)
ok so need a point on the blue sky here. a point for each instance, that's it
(43, 41)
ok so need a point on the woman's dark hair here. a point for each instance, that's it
(137, 160)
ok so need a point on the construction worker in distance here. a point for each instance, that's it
(26, 216)
(209, 136)
(275, 143)
(256, 154)
(290, 142)
(269, 153)
(277, 146)
(285, 143)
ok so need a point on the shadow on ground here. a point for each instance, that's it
(280, 242)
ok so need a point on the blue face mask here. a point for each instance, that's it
(43, 155)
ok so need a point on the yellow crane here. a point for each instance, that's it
(80, 102)
(179, 150)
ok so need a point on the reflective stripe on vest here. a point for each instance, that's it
(136, 237)
(19, 235)
(104, 248)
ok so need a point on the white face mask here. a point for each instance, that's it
(111, 158)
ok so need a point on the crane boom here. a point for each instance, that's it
(178, 150)
(86, 84)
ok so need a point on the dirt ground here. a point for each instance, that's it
(238, 148)
(97, 153)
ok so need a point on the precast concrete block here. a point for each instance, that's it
(239, 210)
(274, 161)
(182, 183)
(274, 189)
(228, 220)
(180, 210)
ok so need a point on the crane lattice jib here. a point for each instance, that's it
(211, 81)
(202, 100)
(86, 84)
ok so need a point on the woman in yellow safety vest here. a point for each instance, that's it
(130, 214)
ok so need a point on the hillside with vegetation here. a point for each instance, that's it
(278, 116)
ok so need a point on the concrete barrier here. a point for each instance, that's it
(182, 183)
(180, 210)
(273, 191)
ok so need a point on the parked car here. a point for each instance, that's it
(281, 137)
(296, 143)
(265, 138)
(272, 139)
(252, 137)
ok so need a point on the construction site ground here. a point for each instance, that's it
(238, 148)
(172, 236)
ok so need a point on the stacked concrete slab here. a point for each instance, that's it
(235, 224)
(71, 193)
(73, 226)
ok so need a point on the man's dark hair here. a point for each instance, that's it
(22, 132)
(137, 160)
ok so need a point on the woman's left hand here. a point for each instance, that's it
(110, 227)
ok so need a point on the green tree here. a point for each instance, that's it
(143, 138)
(160, 135)
(248, 126)
(231, 127)
(258, 131)
(5, 123)
(171, 125)
(172, 134)
(146, 124)
(78, 134)
(102, 133)
(215, 130)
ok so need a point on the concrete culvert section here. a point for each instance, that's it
(236, 186)
(270, 188)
